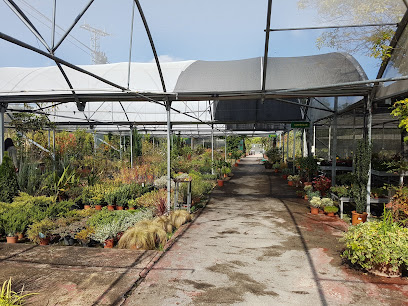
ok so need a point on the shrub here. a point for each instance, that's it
(145, 235)
(340, 191)
(151, 199)
(399, 206)
(331, 209)
(179, 217)
(326, 202)
(41, 228)
(377, 243)
(8, 180)
(315, 202)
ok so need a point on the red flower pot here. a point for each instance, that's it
(87, 206)
(131, 208)
(120, 207)
(45, 241)
(220, 183)
(111, 207)
(357, 218)
(98, 207)
(109, 243)
(12, 239)
(290, 183)
(314, 210)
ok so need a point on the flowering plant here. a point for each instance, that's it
(322, 183)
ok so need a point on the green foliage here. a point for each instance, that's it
(307, 166)
(41, 228)
(8, 180)
(340, 191)
(374, 243)
(8, 297)
(362, 160)
(331, 209)
(137, 143)
(29, 178)
(274, 155)
(25, 122)
(400, 110)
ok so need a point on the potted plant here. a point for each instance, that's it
(106, 234)
(276, 167)
(286, 172)
(219, 165)
(110, 198)
(290, 180)
(307, 189)
(331, 210)
(378, 246)
(307, 166)
(340, 191)
(315, 204)
(40, 232)
(131, 204)
(360, 180)
(322, 183)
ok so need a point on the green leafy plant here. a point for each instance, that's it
(331, 209)
(315, 202)
(307, 166)
(362, 166)
(340, 191)
(8, 297)
(40, 229)
(376, 243)
(8, 180)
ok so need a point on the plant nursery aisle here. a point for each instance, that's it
(256, 244)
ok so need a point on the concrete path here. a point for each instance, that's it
(255, 244)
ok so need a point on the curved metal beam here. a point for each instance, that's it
(156, 58)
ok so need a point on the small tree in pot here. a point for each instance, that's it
(362, 161)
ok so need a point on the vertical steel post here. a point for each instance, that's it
(329, 145)
(212, 149)
(225, 147)
(168, 107)
(314, 140)
(131, 146)
(294, 149)
(2, 111)
(287, 146)
(369, 124)
(334, 149)
(120, 145)
(53, 24)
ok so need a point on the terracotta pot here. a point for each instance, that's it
(131, 208)
(314, 210)
(87, 206)
(290, 183)
(220, 183)
(236, 164)
(109, 243)
(307, 183)
(330, 214)
(111, 207)
(306, 197)
(285, 176)
(12, 239)
(98, 207)
(238, 160)
(276, 170)
(20, 236)
(225, 176)
(357, 218)
(120, 207)
(45, 241)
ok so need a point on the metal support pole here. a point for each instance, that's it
(329, 146)
(294, 149)
(334, 150)
(212, 149)
(168, 107)
(53, 24)
(120, 145)
(314, 140)
(131, 146)
(369, 124)
(287, 146)
(2, 111)
(225, 147)
(130, 44)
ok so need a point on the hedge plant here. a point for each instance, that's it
(8, 180)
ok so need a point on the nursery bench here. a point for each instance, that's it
(349, 200)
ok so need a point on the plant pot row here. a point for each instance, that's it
(110, 207)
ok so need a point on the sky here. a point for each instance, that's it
(181, 29)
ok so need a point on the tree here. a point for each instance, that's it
(372, 41)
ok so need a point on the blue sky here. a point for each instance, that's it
(182, 30)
